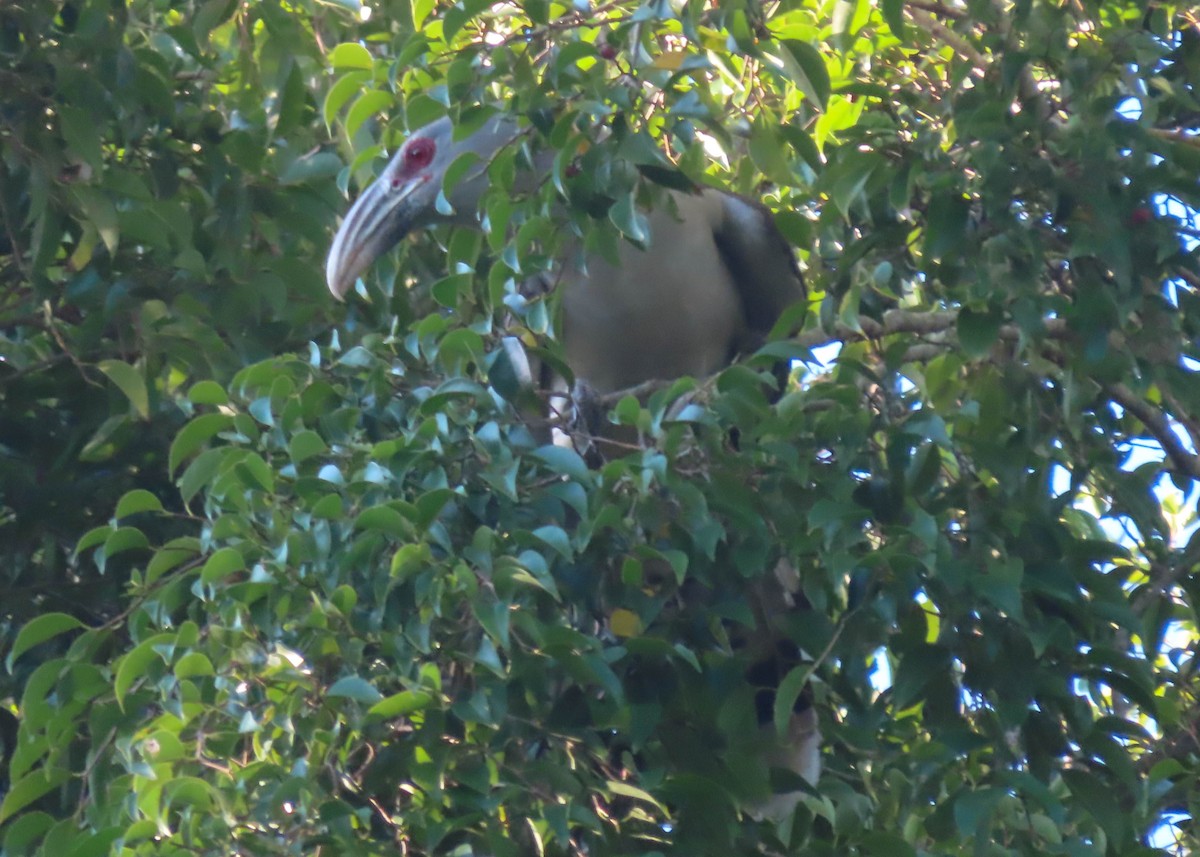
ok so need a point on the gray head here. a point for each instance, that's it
(404, 196)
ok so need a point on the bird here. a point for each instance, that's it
(709, 284)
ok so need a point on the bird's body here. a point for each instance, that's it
(710, 284)
(654, 315)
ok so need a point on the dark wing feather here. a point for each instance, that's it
(761, 261)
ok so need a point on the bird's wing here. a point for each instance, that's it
(761, 261)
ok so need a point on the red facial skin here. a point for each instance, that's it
(418, 154)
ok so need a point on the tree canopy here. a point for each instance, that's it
(282, 576)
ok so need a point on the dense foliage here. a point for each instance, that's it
(284, 577)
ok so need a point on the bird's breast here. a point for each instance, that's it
(660, 313)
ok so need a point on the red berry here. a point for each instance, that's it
(1140, 216)
(607, 52)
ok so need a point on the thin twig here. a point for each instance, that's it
(940, 31)
(18, 254)
(52, 326)
(18, 374)
(1176, 136)
(1192, 279)
(937, 9)
(1189, 423)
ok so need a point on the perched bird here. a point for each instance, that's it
(712, 281)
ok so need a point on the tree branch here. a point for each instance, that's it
(925, 21)
(894, 321)
(937, 9)
(1158, 426)
(933, 324)
(1188, 422)
(1176, 136)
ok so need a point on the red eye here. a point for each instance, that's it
(415, 156)
(418, 153)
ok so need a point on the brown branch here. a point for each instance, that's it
(894, 321)
(1158, 426)
(645, 388)
(1189, 423)
(1164, 576)
(934, 323)
(1176, 136)
(52, 326)
(1192, 279)
(18, 374)
(938, 30)
(1179, 745)
(938, 326)
(937, 9)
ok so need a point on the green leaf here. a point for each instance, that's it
(431, 504)
(401, 704)
(556, 538)
(29, 788)
(22, 834)
(623, 789)
(207, 393)
(449, 291)
(305, 444)
(893, 15)
(806, 67)
(973, 810)
(565, 461)
(946, 224)
(365, 106)
(329, 507)
(200, 472)
(916, 669)
(101, 214)
(221, 564)
(124, 539)
(137, 501)
(190, 791)
(353, 687)
(39, 630)
(131, 382)
(626, 217)
(255, 472)
(786, 695)
(978, 331)
(342, 91)
(108, 439)
(136, 663)
(886, 844)
(511, 373)
(410, 558)
(92, 538)
(420, 11)
(311, 168)
(194, 435)
(385, 519)
(194, 664)
(82, 134)
(768, 152)
(351, 55)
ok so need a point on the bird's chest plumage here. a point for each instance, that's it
(660, 313)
